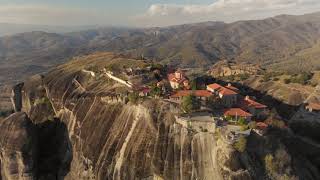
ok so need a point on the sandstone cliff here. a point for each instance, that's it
(83, 129)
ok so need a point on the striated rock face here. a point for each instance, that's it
(81, 135)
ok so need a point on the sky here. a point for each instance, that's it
(145, 13)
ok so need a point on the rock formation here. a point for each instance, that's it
(18, 147)
(79, 135)
(225, 68)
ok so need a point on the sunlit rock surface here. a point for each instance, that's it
(81, 134)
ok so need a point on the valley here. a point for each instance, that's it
(209, 100)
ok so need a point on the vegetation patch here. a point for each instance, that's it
(278, 165)
(190, 103)
(133, 97)
(241, 144)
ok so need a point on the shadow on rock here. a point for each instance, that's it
(54, 150)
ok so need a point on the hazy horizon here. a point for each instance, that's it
(146, 13)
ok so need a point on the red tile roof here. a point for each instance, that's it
(215, 86)
(173, 78)
(236, 112)
(198, 93)
(314, 106)
(247, 102)
(225, 92)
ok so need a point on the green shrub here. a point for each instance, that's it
(278, 166)
(302, 78)
(133, 97)
(43, 101)
(287, 81)
(242, 121)
(155, 90)
(244, 76)
(190, 103)
(229, 118)
(269, 165)
(241, 144)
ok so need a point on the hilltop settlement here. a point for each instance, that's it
(197, 101)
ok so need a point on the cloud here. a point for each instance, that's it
(223, 10)
(52, 15)
(156, 14)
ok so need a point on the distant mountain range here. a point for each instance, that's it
(274, 42)
(11, 29)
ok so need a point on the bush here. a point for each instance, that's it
(268, 160)
(278, 165)
(302, 78)
(287, 81)
(193, 84)
(276, 79)
(155, 90)
(278, 123)
(242, 121)
(133, 97)
(241, 144)
(43, 101)
(190, 103)
(244, 77)
(229, 118)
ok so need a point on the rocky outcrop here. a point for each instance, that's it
(18, 147)
(83, 134)
(16, 97)
(225, 68)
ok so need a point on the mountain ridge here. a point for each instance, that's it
(265, 42)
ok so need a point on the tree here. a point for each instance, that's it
(193, 84)
(229, 118)
(278, 165)
(190, 103)
(214, 102)
(242, 121)
(155, 90)
(268, 160)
